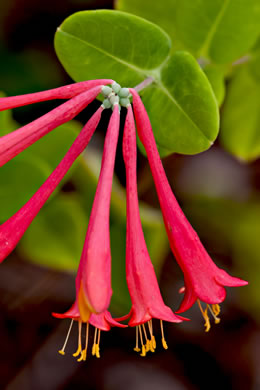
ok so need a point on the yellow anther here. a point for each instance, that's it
(216, 309)
(217, 320)
(151, 346)
(78, 351)
(83, 355)
(93, 349)
(205, 316)
(207, 323)
(147, 346)
(61, 352)
(164, 344)
(153, 342)
(97, 351)
(137, 349)
(143, 353)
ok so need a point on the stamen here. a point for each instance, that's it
(143, 353)
(216, 309)
(217, 320)
(147, 345)
(97, 345)
(205, 316)
(84, 352)
(137, 349)
(62, 350)
(79, 340)
(94, 343)
(152, 342)
(164, 344)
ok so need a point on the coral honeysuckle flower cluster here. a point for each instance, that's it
(204, 281)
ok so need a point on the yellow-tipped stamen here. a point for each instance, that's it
(143, 353)
(216, 319)
(164, 344)
(152, 341)
(216, 309)
(94, 343)
(97, 345)
(62, 350)
(147, 345)
(84, 351)
(136, 348)
(205, 316)
(79, 340)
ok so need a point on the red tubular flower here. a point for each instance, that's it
(65, 92)
(15, 142)
(102, 321)
(203, 279)
(93, 282)
(13, 229)
(147, 302)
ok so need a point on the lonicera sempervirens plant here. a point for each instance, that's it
(204, 281)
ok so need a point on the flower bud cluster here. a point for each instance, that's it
(116, 95)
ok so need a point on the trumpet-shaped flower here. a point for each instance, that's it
(93, 282)
(147, 302)
(203, 279)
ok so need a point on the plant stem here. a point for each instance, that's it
(144, 84)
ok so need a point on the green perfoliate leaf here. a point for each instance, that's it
(180, 102)
(222, 30)
(56, 236)
(215, 75)
(240, 121)
(182, 106)
(161, 13)
(111, 44)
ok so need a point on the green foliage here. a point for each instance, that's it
(240, 121)
(215, 75)
(182, 106)
(110, 44)
(180, 103)
(55, 238)
(221, 30)
(20, 178)
(161, 13)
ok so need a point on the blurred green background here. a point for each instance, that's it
(218, 190)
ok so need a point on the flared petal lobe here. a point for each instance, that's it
(203, 279)
(14, 143)
(93, 281)
(13, 229)
(147, 302)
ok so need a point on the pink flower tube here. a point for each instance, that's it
(13, 143)
(13, 229)
(203, 279)
(93, 282)
(147, 302)
(65, 92)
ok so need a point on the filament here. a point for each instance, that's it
(205, 316)
(62, 350)
(164, 344)
(84, 351)
(136, 348)
(143, 353)
(79, 340)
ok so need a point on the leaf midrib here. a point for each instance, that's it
(145, 73)
(142, 71)
(205, 46)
